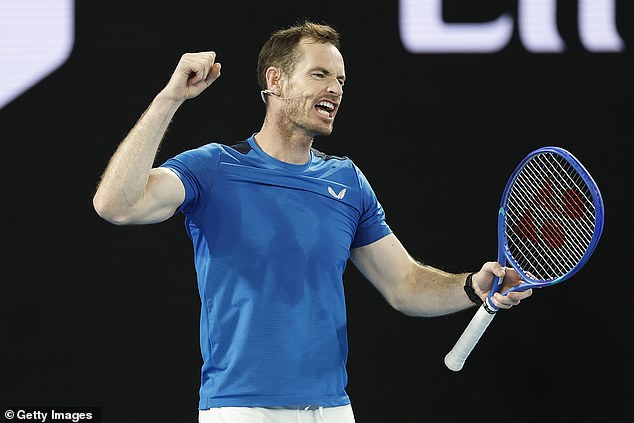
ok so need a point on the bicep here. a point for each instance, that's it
(385, 263)
(164, 193)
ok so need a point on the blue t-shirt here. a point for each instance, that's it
(271, 242)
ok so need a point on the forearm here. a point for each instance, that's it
(126, 177)
(409, 286)
(428, 292)
(419, 290)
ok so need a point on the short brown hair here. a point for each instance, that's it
(281, 51)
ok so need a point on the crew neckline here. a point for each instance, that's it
(279, 163)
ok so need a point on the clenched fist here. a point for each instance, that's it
(193, 74)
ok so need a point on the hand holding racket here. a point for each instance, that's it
(549, 222)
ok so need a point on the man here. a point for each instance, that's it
(273, 223)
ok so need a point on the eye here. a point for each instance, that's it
(318, 75)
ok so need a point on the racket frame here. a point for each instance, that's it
(456, 358)
(504, 254)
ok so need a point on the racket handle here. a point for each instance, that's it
(456, 358)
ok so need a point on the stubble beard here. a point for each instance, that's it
(297, 117)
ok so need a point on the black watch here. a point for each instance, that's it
(468, 289)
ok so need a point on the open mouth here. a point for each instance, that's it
(326, 109)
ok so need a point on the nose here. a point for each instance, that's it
(335, 87)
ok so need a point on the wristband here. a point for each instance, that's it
(468, 289)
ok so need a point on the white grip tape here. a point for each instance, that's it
(456, 358)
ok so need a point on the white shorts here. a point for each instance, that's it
(341, 414)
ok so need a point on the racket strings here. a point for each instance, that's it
(544, 228)
(567, 177)
(550, 217)
(580, 226)
(549, 190)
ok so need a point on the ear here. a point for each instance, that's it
(273, 79)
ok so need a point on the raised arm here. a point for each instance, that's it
(419, 290)
(130, 190)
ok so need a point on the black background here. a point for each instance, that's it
(98, 315)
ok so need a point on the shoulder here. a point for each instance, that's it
(210, 149)
(213, 152)
(199, 162)
(323, 160)
(339, 164)
(326, 157)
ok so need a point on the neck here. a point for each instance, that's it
(285, 146)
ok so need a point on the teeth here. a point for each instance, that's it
(327, 105)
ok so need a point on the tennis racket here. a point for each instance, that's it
(549, 222)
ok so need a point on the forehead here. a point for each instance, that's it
(319, 55)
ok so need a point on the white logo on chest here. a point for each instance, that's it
(339, 196)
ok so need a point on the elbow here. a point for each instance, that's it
(107, 212)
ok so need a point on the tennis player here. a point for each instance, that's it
(273, 223)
